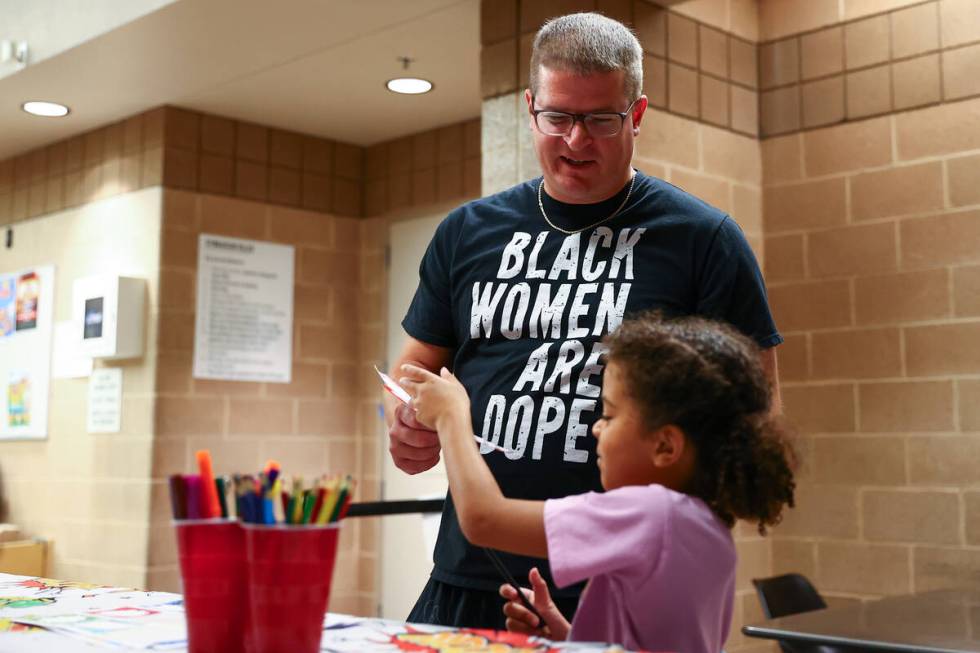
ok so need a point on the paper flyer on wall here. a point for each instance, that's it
(244, 321)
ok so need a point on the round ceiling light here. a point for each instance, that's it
(46, 109)
(409, 85)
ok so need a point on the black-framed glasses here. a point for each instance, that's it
(602, 124)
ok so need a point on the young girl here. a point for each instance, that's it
(685, 447)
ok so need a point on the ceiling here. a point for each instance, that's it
(312, 66)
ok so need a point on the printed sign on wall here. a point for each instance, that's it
(105, 400)
(244, 328)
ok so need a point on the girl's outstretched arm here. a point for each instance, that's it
(486, 517)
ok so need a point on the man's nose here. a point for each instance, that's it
(578, 137)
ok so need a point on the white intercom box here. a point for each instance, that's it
(108, 315)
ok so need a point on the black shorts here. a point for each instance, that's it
(450, 605)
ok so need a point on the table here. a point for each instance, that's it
(946, 621)
(39, 614)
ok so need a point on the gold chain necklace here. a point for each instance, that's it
(594, 224)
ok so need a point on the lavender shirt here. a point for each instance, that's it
(661, 564)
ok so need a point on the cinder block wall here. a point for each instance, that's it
(209, 174)
(872, 238)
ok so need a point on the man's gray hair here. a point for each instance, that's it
(587, 43)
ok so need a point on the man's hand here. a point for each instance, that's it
(437, 400)
(414, 447)
(522, 620)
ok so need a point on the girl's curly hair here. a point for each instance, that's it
(705, 378)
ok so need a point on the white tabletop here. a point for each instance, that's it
(38, 614)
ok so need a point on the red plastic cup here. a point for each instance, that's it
(289, 573)
(212, 570)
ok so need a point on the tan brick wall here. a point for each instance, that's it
(824, 62)
(418, 170)
(183, 149)
(700, 57)
(324, 421)
(104, 162)
(243, 180)
(90, 493)
(874, 288)
(771, 67)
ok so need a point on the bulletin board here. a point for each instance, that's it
(26, 327)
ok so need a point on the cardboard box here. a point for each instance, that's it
(10, 533)
(24, 557)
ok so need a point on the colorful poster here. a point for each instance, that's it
(28, 296)
(19, 399)
(26, 331)
(8, 310)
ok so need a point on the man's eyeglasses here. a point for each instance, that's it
(599, 125)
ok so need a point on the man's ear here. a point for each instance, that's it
(639, 109)
(529, 98)
(669, 444)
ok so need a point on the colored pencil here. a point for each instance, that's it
(329, 501)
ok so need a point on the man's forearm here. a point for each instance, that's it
(770, 367)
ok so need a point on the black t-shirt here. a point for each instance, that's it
(523, 306)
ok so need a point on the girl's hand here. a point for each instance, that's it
(522, 620)
(435, 398)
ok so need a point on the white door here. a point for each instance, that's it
(406, 541)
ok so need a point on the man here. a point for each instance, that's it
(517, 289)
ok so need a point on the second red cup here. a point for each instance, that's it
(212, 570)
(290, 569)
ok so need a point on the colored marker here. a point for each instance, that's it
(193, 485)
(211, 507)
(178, 497)
(220, 486)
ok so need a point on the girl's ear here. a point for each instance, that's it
(669, 444)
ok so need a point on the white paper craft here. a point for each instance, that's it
(405, 398)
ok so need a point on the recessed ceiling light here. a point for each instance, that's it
(409, 85)
(46, 109)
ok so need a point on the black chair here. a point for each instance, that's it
(788, 594)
